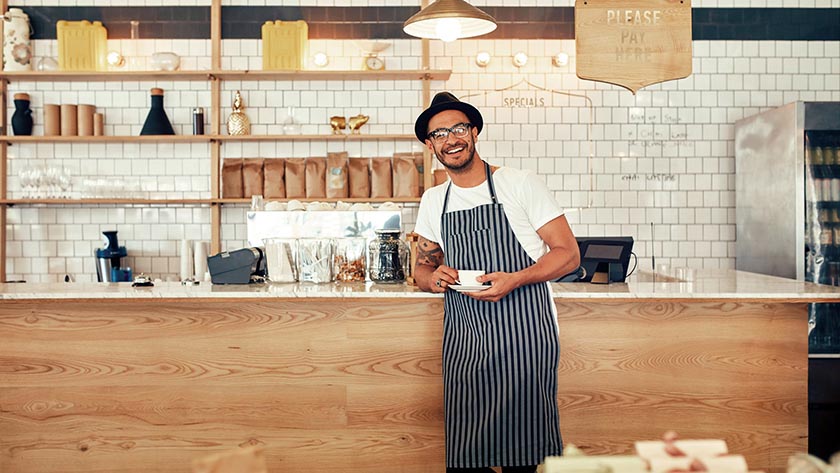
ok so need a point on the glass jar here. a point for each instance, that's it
(281, 256)
(350, 259)
(388, 257)
(315, 259)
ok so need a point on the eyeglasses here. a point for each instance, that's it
(441, 134)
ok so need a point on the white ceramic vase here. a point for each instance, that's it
(17, 48)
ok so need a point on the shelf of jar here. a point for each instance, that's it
(202, 138)
(103, 76)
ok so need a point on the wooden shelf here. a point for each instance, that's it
(129, 201)
(334, 75)
(109, 139)
(106, 76)
(371, 200)
(201, 138)
(100, 201)
(342, 137)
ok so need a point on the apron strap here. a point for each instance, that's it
(489, 185)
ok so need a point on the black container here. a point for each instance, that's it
(22, 118)
(198, 121)
(157, 123)
(389, 257)
(109, 259)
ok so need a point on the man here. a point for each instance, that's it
(500, 346)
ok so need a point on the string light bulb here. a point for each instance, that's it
(520, 59)
(115, 59)
(560, 59)
(482, 59)
(320, 59)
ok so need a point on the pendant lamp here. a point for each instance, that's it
(448, 20)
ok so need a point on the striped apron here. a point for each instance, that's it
(499, 358)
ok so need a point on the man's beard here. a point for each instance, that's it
(459, 167)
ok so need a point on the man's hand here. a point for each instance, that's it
(442, 278)
(502, 284)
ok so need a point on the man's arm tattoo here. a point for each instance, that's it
(429, 253)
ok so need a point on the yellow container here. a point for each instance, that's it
(82, 46)
(285, 45)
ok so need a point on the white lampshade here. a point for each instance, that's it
(449, 20)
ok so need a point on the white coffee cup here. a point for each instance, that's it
(294, 205)
(467, 277)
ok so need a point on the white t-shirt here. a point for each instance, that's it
(527, 202)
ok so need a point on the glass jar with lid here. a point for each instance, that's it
(389, 257)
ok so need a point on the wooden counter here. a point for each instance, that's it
(97, 378)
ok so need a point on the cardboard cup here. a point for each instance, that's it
(85, 119)
(69, 120)
(52, 119)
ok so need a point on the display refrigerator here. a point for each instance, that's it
(787, 205)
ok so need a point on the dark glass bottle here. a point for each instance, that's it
(22, 118)
(157, 122)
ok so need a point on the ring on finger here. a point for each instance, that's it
(437, 283)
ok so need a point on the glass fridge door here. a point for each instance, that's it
(822, 233)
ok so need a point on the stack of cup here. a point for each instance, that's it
(72, 120)
(186, 260)
(200, 261)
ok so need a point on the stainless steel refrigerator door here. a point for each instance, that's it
(770, 192)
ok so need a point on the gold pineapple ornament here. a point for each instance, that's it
(238, 123)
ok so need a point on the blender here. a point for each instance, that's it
(109, 260)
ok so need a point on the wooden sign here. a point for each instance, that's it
(633, 43)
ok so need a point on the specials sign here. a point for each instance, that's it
(633, 43)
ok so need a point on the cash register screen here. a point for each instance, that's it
(612, 252)
(595, 250)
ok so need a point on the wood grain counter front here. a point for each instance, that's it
(354, 384)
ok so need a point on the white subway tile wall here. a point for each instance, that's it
(616, 161)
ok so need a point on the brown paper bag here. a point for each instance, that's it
(274, 185)
(295, 178)
(381, 179)
(358, 177)
(316, 178)
(252, 176)
(337, 182)
(232, 179)
(407, 178)
(420, 165)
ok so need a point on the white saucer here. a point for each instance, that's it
(461, 288)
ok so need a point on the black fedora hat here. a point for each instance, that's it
(446, 101)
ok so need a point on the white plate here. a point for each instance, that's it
(461, 288)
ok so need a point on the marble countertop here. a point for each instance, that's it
(676, 283)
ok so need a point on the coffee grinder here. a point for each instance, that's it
(109, 260)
